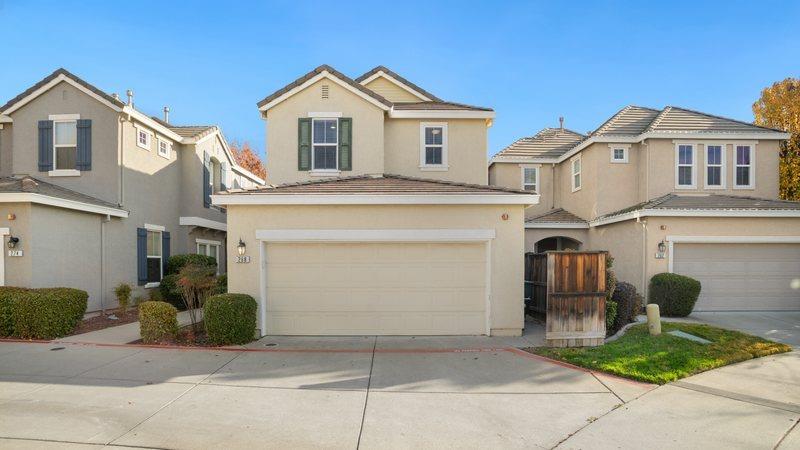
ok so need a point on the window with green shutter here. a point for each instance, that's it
(325, 144)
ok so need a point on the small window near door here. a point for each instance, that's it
(154, 265)
(65, 144)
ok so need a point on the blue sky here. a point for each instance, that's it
(530, 61)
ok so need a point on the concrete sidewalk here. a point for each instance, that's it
(779, 326)
(123, 334)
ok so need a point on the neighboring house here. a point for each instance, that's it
(95, 193)
(670, 190)
(381, 220)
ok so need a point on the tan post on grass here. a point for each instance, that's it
(653, 319)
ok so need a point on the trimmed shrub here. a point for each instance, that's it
(230, 318)
(611, 316)
(222, 284)
(8, 298)
(177, 262)
(48, 313)
(674, 294)
(629, 304)
(170, 291)
(158, 322)
(123, 293)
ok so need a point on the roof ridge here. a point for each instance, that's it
(657, 119)
(56, 73)
(610, 120)
(752, 124)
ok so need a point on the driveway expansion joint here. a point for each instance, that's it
(738, 397)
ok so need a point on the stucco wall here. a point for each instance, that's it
(509, 175)
(391, 91)
(6, 155)
(191, 189)
(17, 268)
(507, 247)
(282, 131)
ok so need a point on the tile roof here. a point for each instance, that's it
(547, 143)
(188, 131)
(29, 185)
(317, 71)
(399, 78)
(720, 202)
(629, 121)
(557, 215)
(54, 75)
(438, 105)
(675, 119)
(381, 184)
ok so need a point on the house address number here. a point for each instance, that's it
(15, 253)
(243, 259)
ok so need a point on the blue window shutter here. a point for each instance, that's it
(206, 180)
(84, 161)
(141, 255)
(45, 145)
(164, 249)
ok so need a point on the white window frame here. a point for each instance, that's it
(149, 135)
(693, 166)
(63, 118)
(217, 245)
(535, 185)
(625, 150)
(444, 166)
(325, 171)
(576, 159)
(160, 230)
(167, 145)
(752, 165)
(721, 165)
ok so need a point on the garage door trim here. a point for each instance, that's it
(372, 235)
(671, 240)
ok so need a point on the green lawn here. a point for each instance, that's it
(666, 358)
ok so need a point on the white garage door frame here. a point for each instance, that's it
(671, 240)
(438, 236)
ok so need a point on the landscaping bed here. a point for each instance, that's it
(186, 338)
(102, 321)
(665, 358)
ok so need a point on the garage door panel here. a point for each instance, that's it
(376, 288)
(738, 277)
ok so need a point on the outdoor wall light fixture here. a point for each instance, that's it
(12, 241)
(241, 248)
(662, 250)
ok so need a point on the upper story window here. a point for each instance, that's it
(576, 173)
(143, 138)
(685, 166)
(164, 148)
(433, 146)
(744, 167)
(715, 166)
(325, 139)
(65, 144)
(530, 179)
(619, 153)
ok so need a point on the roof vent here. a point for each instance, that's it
(561, 123)
(166, 114)
(325, 89)
(115, 95)
(129, 93)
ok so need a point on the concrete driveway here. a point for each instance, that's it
(779, 326)
(368, 392)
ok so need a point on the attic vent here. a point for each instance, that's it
(324, 91)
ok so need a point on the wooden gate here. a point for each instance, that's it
(571, 288)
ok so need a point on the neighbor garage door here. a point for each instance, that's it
(740, 277)
(376, 288)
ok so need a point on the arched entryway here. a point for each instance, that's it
(556, 243)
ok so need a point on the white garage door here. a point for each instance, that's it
(376, 288)
(741, 277)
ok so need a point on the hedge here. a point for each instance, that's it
(8, 297)
(674, 294)
(230, 318)
(176, 262)
(158, 322)
(47, 313)
(629, 304)
(170, 291)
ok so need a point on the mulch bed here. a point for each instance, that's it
(187, 338)
(102, 321)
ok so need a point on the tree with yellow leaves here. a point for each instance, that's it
(779, 107)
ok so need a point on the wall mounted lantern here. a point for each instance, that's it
(12, 241)
(662, 250)
(241, 248)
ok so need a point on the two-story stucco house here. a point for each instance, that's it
(94, 193)
(380, 219)
(666, 190)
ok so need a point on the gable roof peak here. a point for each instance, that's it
(415, 89)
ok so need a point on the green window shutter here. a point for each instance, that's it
(304, 143)
(345, 143)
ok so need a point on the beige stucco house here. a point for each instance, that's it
(94, 193)
(379, 219)
(666, 190)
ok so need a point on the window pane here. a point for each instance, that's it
(153, 270)
(142, 137)
(743, 155)
(576, 166)
(433, 135)
(530, 176)
(685, 154)
(714, 176)
(66, 157)
(714, 154)
(433, 155)
(685, 176)
(66, 133)
(743, 176)
(619, 153)
(201, 249)
(578, 180)
(153, 243)
(325, 157)
(325, 131)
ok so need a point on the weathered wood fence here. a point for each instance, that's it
(570, 287)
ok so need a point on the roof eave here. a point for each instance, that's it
(697, 212)
(42, 199)
(440, 114)
(374, 199)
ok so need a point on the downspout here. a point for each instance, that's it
(120, 155)
(553, 193)
(643, 222)
(103, 280)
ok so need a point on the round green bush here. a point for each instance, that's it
(170, 291)
(230, 318)
(177, 262)
(48, 313)
(674, 294)
(629, 304)
(158, 322)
